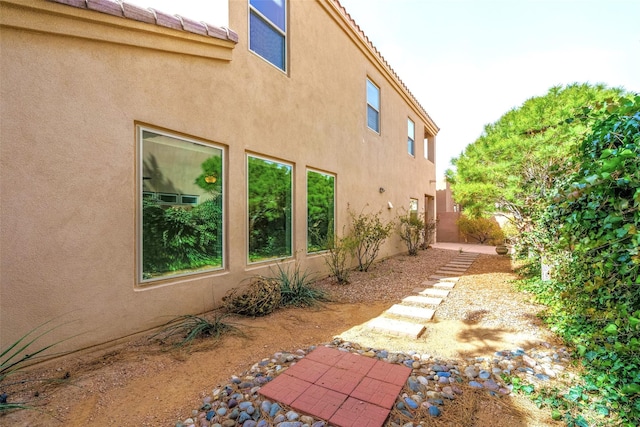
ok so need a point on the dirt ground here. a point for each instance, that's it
(140, 383)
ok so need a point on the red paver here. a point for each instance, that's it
(340, 380)
(377, 392)
(389, 373)
(355, 363)
(326, 355)
(319, 401)
(284, 388)
(307, 370)
(356, 413)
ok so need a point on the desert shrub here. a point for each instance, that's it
(19, 355)
(368, 233)
(296, 286)
(411, 229)
(260, 298)
(337, 257)
(184, 330)
(483, 230)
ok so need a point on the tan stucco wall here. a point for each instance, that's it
(75, 83)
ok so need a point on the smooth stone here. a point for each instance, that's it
(292, 416)
(542, 377)
(266, 406)
(290, 424)
(222, 411)
(228, 423)
(279, 418)
(411, 403)
(416, 365)
(484, 375)
(400, 406)
(243, 417)
(210, 415)
(434, 411)
(414, 385)
(491, 385)
(438, 368)
(234, 414)
(305, 419)
(319, 424)
(475, 384)
(443, 374)
(250, 423)
(232, 403)
(244, 405)
(422, 380)
(262, 423)
(274, 410)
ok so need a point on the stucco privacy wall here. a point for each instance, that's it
(74, 85)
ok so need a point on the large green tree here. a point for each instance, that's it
(514, 163)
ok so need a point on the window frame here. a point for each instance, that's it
(411, 137)
(141, 194)
(284, 32)
(308, 170)
(291, 205)
(370, 83)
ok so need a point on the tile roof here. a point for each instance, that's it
(152, 16)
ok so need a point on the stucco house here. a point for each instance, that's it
(150, 162)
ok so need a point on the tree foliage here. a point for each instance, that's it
(512, 166)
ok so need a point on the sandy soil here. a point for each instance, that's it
(140, 383)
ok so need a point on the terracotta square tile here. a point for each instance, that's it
(284, 388)
(307, 370)
(389, 372)
(356, 413)
(355, 363)
(319, 401)
(326, 355)
(340, 380)
(377, 392)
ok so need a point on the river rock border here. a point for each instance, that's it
(432, 384)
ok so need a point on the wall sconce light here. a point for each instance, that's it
(210, 179)
(381, 190)
(389, 205)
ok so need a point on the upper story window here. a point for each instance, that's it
(373, 106)
(411, 137)
(268, 31)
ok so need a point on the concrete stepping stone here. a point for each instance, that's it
(447, 270)
(444, 278)
(444, 285)
(411, 311)
(418, 299)
(396, 327)
(433, 292)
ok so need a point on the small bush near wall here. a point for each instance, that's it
(368, 232)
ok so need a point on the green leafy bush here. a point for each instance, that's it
(590, 232)
(368, 233)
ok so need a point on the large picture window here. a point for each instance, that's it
(268, 31)
(269, 187)
(373, 106)
(320, 210)
(181, 201)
